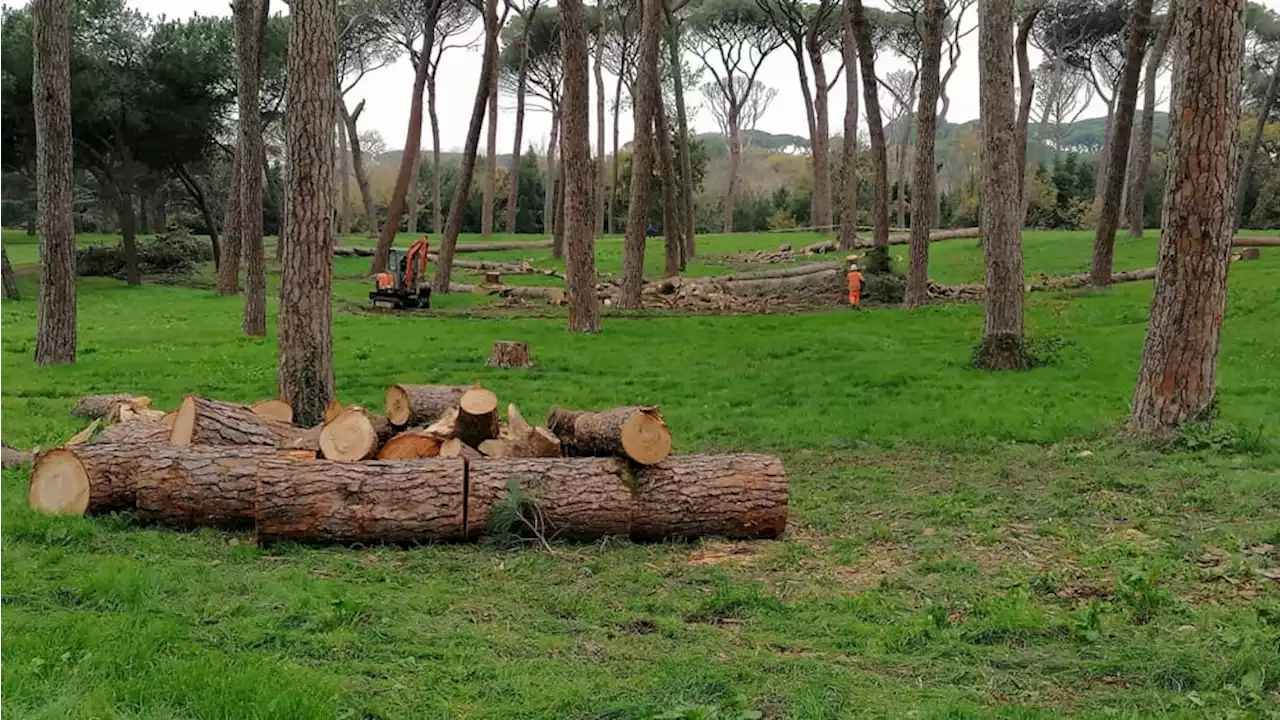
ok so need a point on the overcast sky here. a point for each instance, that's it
(386, 91)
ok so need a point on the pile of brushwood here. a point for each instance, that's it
(176, 253)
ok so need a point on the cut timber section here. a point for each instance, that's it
(200, 486)
(410, 445)
(277, 410)
(325, 501)
(135, 431)
(520, 439)
(477, 416)
(421, 404)
(201, 421)
(574, 497)
(638, 433)
(355, 434)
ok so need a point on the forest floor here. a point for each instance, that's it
(962, 544)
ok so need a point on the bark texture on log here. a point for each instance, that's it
(638, 433)
(97, 406)
(325, 501)
(1178, 376)
(574, 497)
(421, 404)
(12, 457)
(202, 421)
(135, 431)
(736, 496)
(199, 486)
(87, 479)
(924, 173)
(514, 354)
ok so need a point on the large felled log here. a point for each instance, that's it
(778, 283)
(135, 431)
(354, 434)
(638, 433)
(91, 478)
(805, 269)
(570, 497)
(421, 404)
(200, 485)
(477, 416)
(1256, 241)
(1070, 282)
(201, 421)
(324, 501)
(738, 496)
(510, 354)
(12, 457)
(410, 445)
(97, 406)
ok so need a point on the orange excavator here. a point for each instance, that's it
(405, 285)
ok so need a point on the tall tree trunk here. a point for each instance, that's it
(357, 166)
(923, 176)
(522, 84)
(1251, 156)
(818, 142)
(1104, 241)
(1178, 375)
(611, 215)
(682, 123)
(125, 186)
(1026, 93)
(798, 51)
(412, 143)
(666, 170)
(871, 96)
(908, 121)
(286, 208)
(251, 22)
(549, 192)
(601, 177)
(437, 173)
(646, 91)
(849, 145)
(1104, 159)
(580, 267)
(462, 191)
(10, 280)
(192, 186)
(160, 210)
(144, 212)
(229, 259)
(344, 175)
(490, 182)
(413, 197)
(557, 236)
(1140, 152)
(306, 275)
(1002, 343)
(735, 171)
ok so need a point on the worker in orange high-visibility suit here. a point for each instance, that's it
(855, 284)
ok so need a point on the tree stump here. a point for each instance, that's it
(1250, 253)
(492, 277)
(510, 354)
(638, 433)
(477, 416)
(201, 421)
(355, 434)
(421, 404)
(324, 501)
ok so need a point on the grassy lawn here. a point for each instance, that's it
(963, 544)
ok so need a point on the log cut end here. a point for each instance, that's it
(646, 437)
(277, 410)
(349, 436)
(59, 484)
(184, 423)
(399, 411)
(477, 416)
(410, 445)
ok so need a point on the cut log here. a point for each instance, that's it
(737, 496)
(308, 441)
(331, 410)
(1256, 241)
(638, 433)
(569, 497)
(477, 416)
(421, 404)
(455, 448)
(277, 410)
(355, 434)
(127, 411)
(410, 445)
(136, 431)
(798, 270)
(444, 428)
(520, 439)
(200, 485)
(12, 457)
(201, 421)
(774, 284)
(92, 478)
(510, 354)
(1250, 253)
(325, 501)
(97, 406)
(520, 291)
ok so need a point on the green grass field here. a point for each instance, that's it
(963, 544)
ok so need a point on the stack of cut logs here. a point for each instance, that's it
(432, 468)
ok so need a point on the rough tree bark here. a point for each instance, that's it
(646, 91)
(580, 269)
(193, 188)
(56, 314)
(412, 144)
(682, 122)
(849, 145)
(610, 219)
(1026, 93)
(1140, 153)
(251, 23)
(900, 162)
(229, 260)
(344, 173)
(924, 174)
(357, 166)
(597, 67)
(672, 243)
(818, 141)
(437, 177)
(522, 85)
(1176, 381)
(1273, 92)
(549, 188)
(871, 96)
(735, 169)
(1104, 241)
(306, 273)
(490, 182)
(461, 194)
(1001, 347)
(10, 280)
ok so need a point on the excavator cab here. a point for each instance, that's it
(405, 284)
